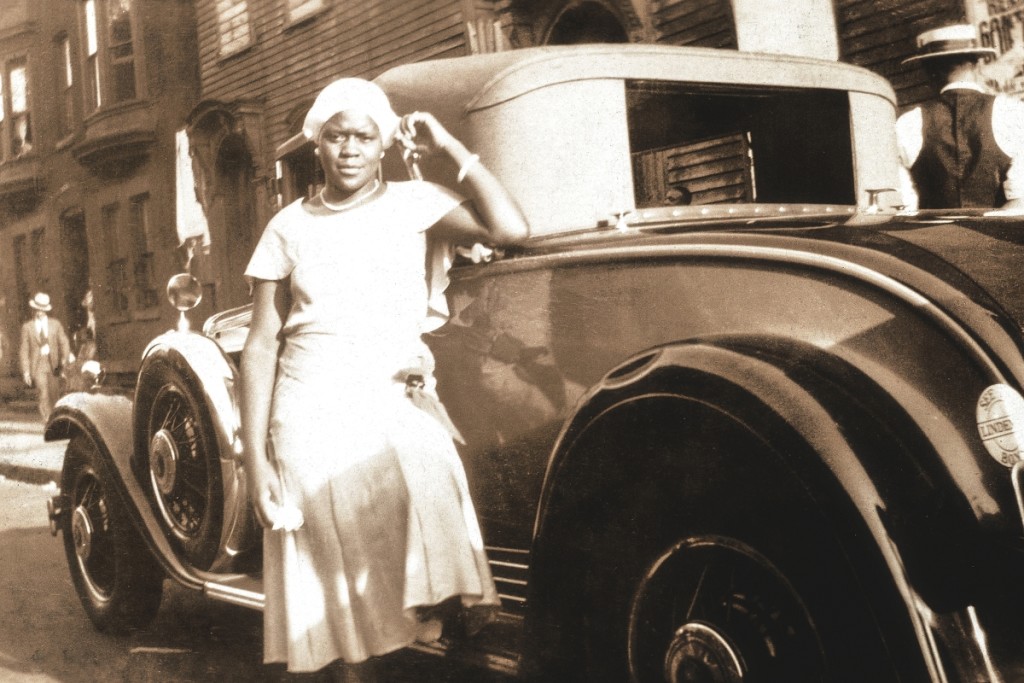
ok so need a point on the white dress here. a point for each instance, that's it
(389, 524)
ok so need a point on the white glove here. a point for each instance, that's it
(285, 517)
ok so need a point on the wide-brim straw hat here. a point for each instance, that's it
(40, 302)
(949, 41)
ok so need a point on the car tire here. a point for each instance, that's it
(115, 575)
(692, 552)
(722, 603)
(181, 471)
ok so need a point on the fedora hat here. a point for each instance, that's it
(40, 302)
(947, 41)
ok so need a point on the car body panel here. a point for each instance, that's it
(586, 320)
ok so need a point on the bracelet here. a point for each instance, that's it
(471, 161)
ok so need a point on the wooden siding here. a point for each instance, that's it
(879, 35)
(285, 66)
(714, 171)
(876, 34)
(702, 23)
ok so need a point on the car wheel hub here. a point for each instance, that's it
(163, 461)
(711, 608)
(699, 652)
(81, 533)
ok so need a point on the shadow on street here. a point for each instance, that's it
(45, 634)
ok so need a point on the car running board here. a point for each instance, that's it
(242, 589)
(489, 649)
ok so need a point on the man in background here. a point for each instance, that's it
(44, 351)
(963, 148)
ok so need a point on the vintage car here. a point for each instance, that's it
(729, 415)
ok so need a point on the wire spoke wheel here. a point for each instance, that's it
(92, 535)
(117, 579)
(181, 468)
(713, 610)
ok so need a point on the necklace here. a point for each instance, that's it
(350, 203)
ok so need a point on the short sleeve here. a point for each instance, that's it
(910, 136)
(437, 202)
(434, 202)
(273, 258)
(1008, 125)
(1008, 128)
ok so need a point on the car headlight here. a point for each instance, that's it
(184, 292)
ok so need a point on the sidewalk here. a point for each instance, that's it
(24, 456)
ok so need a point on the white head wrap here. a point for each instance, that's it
(352, 94)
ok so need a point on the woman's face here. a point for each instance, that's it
(350, 150)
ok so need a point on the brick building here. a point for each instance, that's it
(95, 90)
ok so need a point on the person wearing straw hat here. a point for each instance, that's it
(963, 148)
(43, 353)
(370, 536)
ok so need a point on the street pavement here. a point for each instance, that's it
(24, 456)
(45, 636)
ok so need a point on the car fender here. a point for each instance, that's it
(106, 420)
(924, 528)
(213, 376)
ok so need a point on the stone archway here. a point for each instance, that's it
(233, 227)
(226, 140)
(586, 22)
(564, 22)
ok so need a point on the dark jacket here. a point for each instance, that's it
(960, 164)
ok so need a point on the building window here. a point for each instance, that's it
(14, 111)
(301, 174)
(300, 9)
(117, 264)
(144, 243)
(66, 78)
(120, 50)
(92, 64)
(233, 25)
(109, 52)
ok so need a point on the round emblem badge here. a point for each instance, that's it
(1000, 423)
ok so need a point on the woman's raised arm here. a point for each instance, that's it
(493, 216)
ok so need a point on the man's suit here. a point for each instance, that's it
(40, 367)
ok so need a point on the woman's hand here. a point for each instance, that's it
(423, 134)
(264, 490)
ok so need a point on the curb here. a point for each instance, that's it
(28, 475)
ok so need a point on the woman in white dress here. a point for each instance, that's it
(367, 516)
